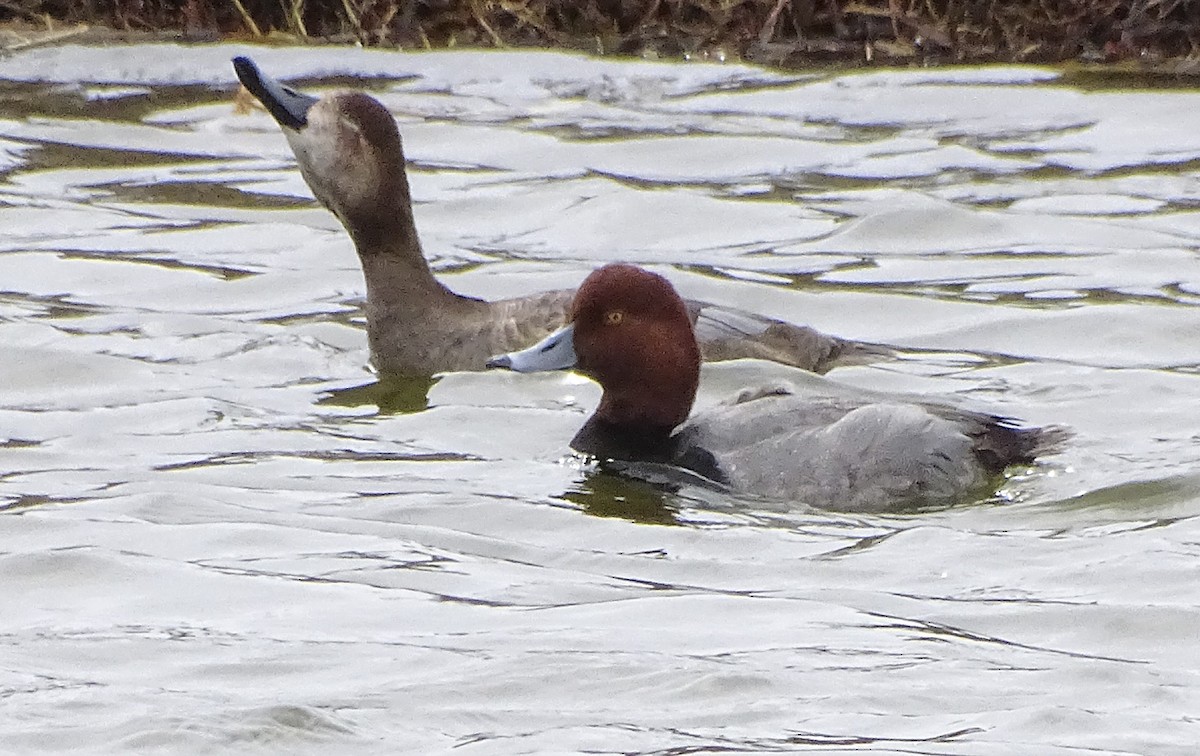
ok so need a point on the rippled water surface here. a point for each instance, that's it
(218, 536)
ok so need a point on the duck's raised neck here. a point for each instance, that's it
(351, 155)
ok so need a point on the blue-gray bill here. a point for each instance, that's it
(287, 106)
(555, 352)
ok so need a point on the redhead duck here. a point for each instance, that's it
(630, 332)
(350, 154)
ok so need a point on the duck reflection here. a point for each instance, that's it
(393, 395)
(605, 493)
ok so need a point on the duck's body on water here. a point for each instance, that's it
(853, 451)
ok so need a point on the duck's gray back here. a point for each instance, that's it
(837, 452)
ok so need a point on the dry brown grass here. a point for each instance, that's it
(774, 31)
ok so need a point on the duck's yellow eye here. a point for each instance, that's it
(613, 317)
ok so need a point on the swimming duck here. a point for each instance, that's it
(350, 154)
(630, 332)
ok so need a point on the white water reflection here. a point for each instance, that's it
(214, 543)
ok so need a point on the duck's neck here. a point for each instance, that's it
(611, 441)
(384, 232)
(399, 279)
(606, 439)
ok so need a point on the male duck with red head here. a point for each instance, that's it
(630, 332)
(350, 154)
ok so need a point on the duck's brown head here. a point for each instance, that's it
(350, 154)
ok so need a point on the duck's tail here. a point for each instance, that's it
(1005, 442)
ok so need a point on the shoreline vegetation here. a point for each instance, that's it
(1159, 35)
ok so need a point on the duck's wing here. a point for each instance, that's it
(764, 413)
(727, 333)
(522, 321)
(860, 453)
(833, 452)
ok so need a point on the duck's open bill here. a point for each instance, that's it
(555, 352)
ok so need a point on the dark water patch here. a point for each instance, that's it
(605, 132)
(336, 567)
(949, 290)
(1139, 496)
(1171, 296)
(1116, 79)
(18, 443)
(202, 194)
(351, 317)
(162, 259)
(1044, 170)
(963, 290)
(726, 188)
(1164, 165)
(59, 155)
(335, 455)
(907, 745)
(819, 186)
(606, 495)
(50, 307)
(432, 166)
(997, 600)
(129, 104)
(15, 505)
(862, 544)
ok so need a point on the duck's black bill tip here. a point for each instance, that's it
(247, 72)
(500, 361)
(287, 106)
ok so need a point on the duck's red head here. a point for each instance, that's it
(634, 337)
